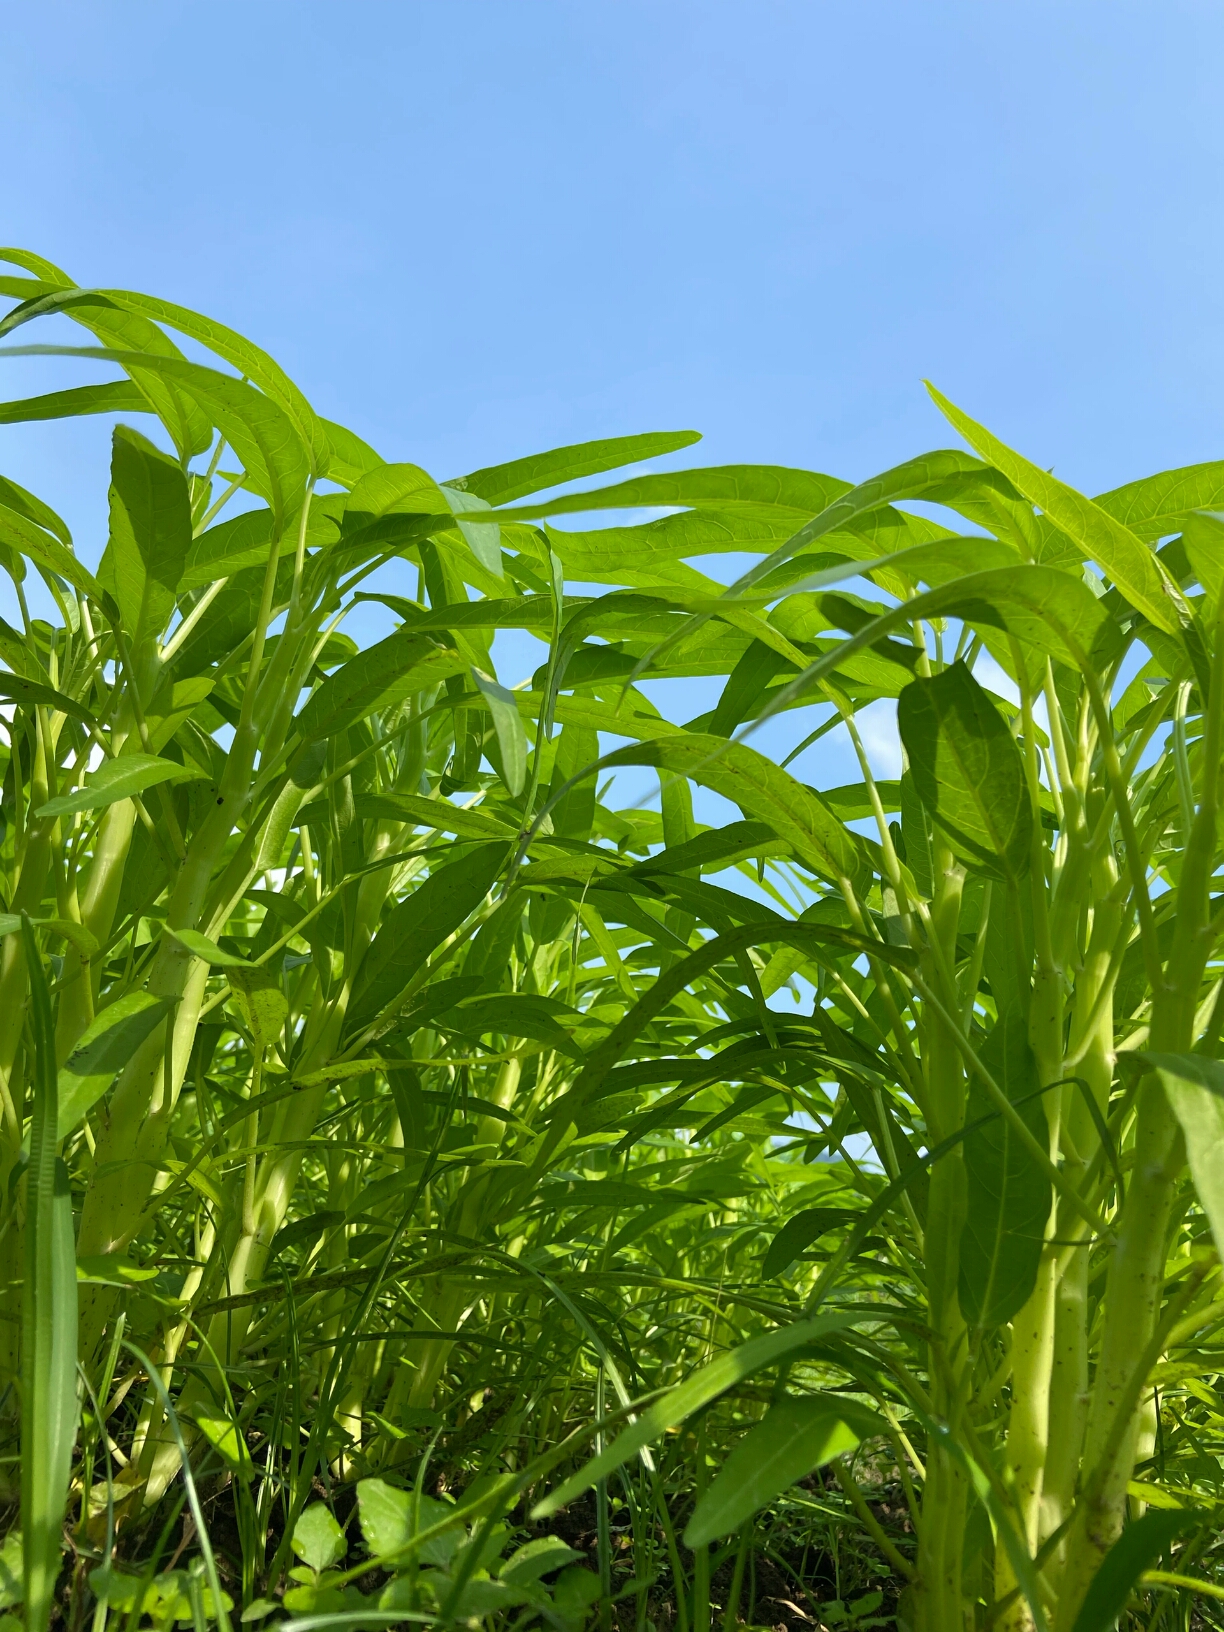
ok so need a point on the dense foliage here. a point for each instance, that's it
(471, 1201)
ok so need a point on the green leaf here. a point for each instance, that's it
(48, 1322)
(150, 533)
(1156, 505)
(387, 1516)
(763, 791)
(483, 537)
(1008, 1203)
(419, 924)
(227, 1440)
(500, 484)
(90, 306)
(245, 540)
(10, 1570)
(511, 737)
(794, 1438)
(30, 694)
(1134, 1551)
(33, 509)
(536, 1559)
(797, 1235)
(968, 771)
(1194, 1086)
(699, 1390)
(317, 1539)
(377, 678)
(435, 813)
(261, 1000)
(207, 951)
(107, 1045)
(117, 779)
(1124, 558)
(261, 434)
(114, 397)
(351, 458)
(22, 535)
(711, 487)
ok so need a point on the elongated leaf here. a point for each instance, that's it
(248, 359)
(1156, 505)
(106, 1047)
(797, 814)
(1047, 610)
(378, 677)
(1135, 1550)
(351, 458)
(483, 537)
(244, 541)
(794, 1438)
(802, 491)
(33, 509)
(261, 434)
(797, 1235)
(511, 737)
(118, 779)
(1194, 1086)
(30, 694)
(1008, 1194)
(419, 924)
(436, 813)
(500, 484)
(48, 1323)
(21, 534)
(697, 1391)
(113, 397)
(150, 533)
(1103, 539)
(207, 950)
(968, 771)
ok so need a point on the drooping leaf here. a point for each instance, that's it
(116, 779)
(1008, 1198)
(698, 1390)
(763, 792)
(511, 737)
(30, 694)
(968, 771)
(797, 1235)
(794, 1438)
(113, 397)
(1103, 539)
(264, 438)
(22, 535)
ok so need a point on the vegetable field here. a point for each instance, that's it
(478, 1150)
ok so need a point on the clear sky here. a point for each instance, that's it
(476, 228)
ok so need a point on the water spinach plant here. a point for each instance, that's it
(401, 1146)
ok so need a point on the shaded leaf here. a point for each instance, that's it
(795, 1437)
(968, 772)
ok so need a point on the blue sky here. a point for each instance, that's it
(476, 228)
